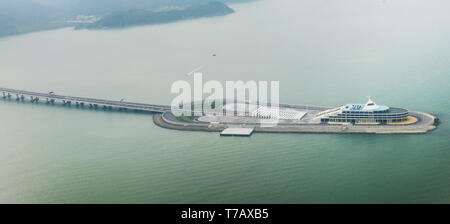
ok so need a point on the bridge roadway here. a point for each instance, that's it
(81, 101)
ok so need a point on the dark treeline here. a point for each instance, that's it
(22, 16)
(134, 17)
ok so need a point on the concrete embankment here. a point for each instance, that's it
(160, 121)
(425, 124)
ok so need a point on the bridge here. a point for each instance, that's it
(91, 103)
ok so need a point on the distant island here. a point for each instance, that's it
(25, 16)
(135, 17)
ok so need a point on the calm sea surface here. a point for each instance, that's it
(322, 52)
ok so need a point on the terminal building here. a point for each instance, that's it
(263, 112)
(369, 113)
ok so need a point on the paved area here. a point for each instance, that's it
(410, 120)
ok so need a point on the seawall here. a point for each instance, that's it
(425, 125)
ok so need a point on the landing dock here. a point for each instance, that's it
(237, 132)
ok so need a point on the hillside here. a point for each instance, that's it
(24, 16)
(135, 17)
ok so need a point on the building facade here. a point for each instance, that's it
(365, 113)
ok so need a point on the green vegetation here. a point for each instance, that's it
(186, 118)
(180, 118)
(192, 117)
(135, 17)
(23, 16)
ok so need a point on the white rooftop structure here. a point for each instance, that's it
(241, 108)
(276, 112)
(370, 105)
(265, 112)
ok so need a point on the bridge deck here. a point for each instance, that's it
(99, 102)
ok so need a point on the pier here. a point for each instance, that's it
(237, 132)
(80, 102)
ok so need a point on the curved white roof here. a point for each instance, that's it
(370, 105)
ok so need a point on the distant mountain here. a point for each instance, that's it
(105, 7)
(7, 26)
(23, 16)
(135, 17)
